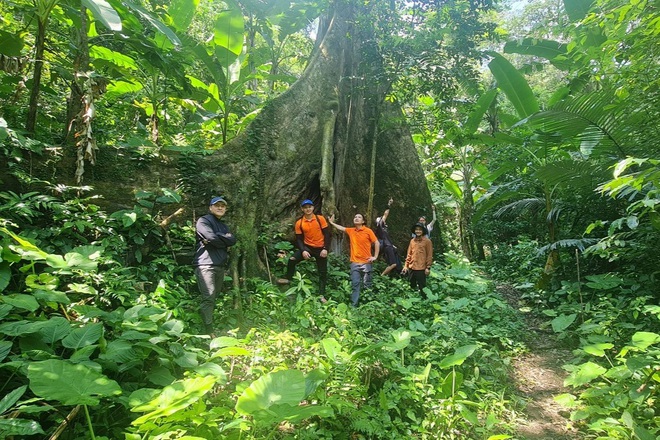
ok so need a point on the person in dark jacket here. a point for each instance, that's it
(213, 239)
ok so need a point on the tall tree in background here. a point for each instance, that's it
(316, 141)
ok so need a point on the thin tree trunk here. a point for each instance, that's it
(36, 78)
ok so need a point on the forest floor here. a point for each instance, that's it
(539, 377)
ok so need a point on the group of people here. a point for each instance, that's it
(312, 241)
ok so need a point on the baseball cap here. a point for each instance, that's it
(306, 202)
(215, 200)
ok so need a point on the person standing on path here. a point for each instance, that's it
(213, 240)
(387, 248)
(313, 240)
(360, 238)
(419, 258)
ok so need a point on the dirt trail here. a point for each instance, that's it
(538, 376)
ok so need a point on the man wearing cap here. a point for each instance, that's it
(213, 239)
(361, 238)
(419, 258)
(312, 240)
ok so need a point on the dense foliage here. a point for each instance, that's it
(544, 167)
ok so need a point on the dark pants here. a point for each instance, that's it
(209, 282)
(360, 275)
(418, 280)
(321, 265)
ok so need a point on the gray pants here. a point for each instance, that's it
(360, 275)
(209, 283)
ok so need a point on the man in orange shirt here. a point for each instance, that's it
(361, 238)
(313, 240)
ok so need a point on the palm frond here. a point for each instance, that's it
(572, 173)
(596, 120)
(532, 204)
(576, 243)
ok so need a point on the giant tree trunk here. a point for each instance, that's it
(315, 141)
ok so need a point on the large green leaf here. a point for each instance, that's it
(5, 348)
(174, 398)
(481, 107)
(19, 427)
(228, 35)
(645, 339)
(21, 301)
(461, 354)
(70, 384)
(280, 387)
(562, 322)
(83, 336)
(11, 398)
(514, 86)
(103, 12)
(54, 330)
(577, 9)
(155, 23)
(182, 13)
(584, 374)
(11, 45)
(5, 275)
(552, 51)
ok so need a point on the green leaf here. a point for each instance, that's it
(103, 12)
(514, 86)
(481, 107)
(20, 301)
(11, 45)
(548, 49)
(597, 349)
(228, 35)
(11, 398)
(461, 354)
(54, 329)
(562, 322)
(83, 336)
(333, 349)
(5, 348)
(280, 387)
(19, 427)
(174, 398)
(70, 384)
(182, 13)
(643, 340)
(155, 23)
(577, 9)
(5, 275)
(584, 374)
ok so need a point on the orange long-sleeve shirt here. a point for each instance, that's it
(420, 254)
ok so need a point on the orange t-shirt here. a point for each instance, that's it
(311, 231)
(361, 241)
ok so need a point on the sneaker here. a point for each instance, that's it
(283, 281)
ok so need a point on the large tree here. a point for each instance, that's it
(331, 137)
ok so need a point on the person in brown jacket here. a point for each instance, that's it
(419, 258)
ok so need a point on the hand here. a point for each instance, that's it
(306, 255)
(427, 271)
(324, 253)
(404, 271)
(433, 207)
(331, 219)
(371, 259)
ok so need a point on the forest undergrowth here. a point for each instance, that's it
(96, 348)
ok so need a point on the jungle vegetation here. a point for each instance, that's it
(532, 128)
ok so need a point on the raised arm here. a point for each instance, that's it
(387, 211)
(331, 220)
(434, 217)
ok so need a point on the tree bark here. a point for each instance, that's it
(315, 141)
